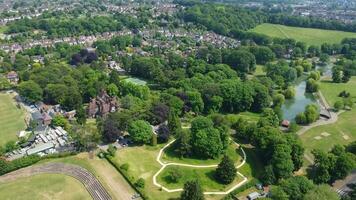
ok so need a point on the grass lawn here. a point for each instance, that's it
(171, 156)
(44, 186)
(106, 174)
(341, 132)
(259, 71)
(310, 36)
(332, 90)
(142, 164)
(204, 175)
(249, 116)
(12, 119)
(253, 166)
(325, 137)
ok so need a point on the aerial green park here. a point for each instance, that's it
(177, 100)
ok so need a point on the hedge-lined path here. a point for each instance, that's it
(91, 183)
(165, 164)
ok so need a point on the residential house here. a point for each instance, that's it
(12, 77)
(102, 105)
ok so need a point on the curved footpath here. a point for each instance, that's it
(164, 165)
(91, 183)
(333, 119)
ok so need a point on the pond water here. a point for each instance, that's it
(325, 69)
(294, 106)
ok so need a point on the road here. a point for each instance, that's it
(91, 183)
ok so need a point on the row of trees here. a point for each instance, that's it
(64, 25)
(311, 22)
(331, 166)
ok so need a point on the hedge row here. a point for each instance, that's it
(130, 179)
(9, 166)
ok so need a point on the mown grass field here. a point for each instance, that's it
(142, 164)
(310, 36)
(111, 179)
(332, 90)
(343, 131)
(12, 119)
(43, 187)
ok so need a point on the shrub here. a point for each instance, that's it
(140, 183)
(111, 150)
(125, 166)
(338, 105)
(175, 175)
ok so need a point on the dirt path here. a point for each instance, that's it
(91, 183)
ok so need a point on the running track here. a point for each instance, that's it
(91, 183)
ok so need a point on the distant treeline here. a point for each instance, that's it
(223, 19)
(229, 20)
(311, 22)
(66, 27)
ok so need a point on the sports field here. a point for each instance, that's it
(42, 187)
(12, 119)
(310, 36)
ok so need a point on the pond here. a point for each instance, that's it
(294, 106)
(325, 69)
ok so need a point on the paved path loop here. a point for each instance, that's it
(321, 122)
(91, 183)
(165, 164)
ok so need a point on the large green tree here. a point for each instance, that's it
(192, 191)
(31, 91)
(140, 131)
(226, 171)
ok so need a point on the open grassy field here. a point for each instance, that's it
(332, 90)
(310, 36)
(205, 177)
(12, 119)
(104, 172)
(42, 187)
(142, 164)
(341, 132)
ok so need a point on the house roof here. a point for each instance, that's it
(36, 116)
(253, 195)
(40, 148)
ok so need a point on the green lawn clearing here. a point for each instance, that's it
(111, 179)
(332, 90)
(259, 71)
(43, 187)
(171, 156)
(204, 175)
(343, 131)
(142, 164)
(325, 137)
(310, 36)
(12, 119)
